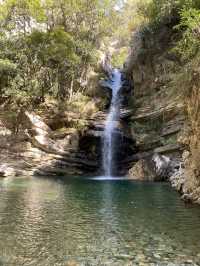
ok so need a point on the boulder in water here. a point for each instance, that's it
(154, 168)
(143, 170)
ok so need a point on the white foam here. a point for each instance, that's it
(110, 125)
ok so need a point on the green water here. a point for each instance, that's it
(95, 222)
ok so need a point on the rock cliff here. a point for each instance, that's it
(160, 123)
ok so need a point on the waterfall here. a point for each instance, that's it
(111, 125)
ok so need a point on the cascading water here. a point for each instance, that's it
(111, 125)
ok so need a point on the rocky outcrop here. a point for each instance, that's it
(42, 137)
(184, 181)
(46, 145)
(158, 122)
(38, 149)
(165, 122)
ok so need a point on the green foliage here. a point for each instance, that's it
(159, 10)
(48, 46)
(188, 46)
(52, 48)
(181, 16)
(17, 15)
(7, 67)
(7, 71)
(129, 19)
(119, 57)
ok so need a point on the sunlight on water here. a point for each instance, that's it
(108, 178)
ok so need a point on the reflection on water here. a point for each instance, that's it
(95, 222)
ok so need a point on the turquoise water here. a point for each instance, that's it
(80, 221)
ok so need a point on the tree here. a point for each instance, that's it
(52, 44)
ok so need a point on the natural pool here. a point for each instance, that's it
(78, 221)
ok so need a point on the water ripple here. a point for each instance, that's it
(86, 222)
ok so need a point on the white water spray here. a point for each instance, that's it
(111, 125)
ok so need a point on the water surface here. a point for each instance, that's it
(80, 221)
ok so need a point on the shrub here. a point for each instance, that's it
(188, 46)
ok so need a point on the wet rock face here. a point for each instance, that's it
(91, 142)
(124, 143)
(126, 91)
(124, 147)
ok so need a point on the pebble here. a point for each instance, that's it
(124, 256)
(157, 256)
(189, 261)
(140, 257)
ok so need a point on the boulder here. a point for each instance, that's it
(154, 168)
(143, 170)
(162, 166)
(6, 170)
